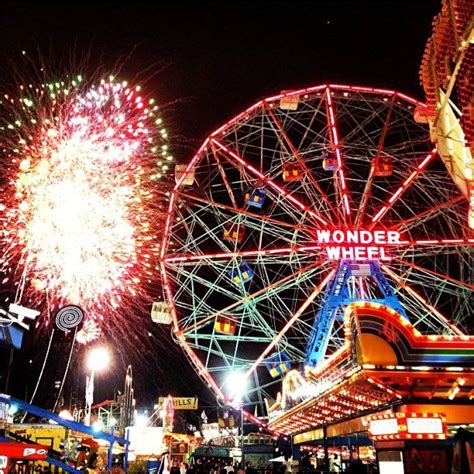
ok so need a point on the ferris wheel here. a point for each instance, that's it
(298, 206)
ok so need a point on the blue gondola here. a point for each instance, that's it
(241, 274)
(278, 364)
(256, 197)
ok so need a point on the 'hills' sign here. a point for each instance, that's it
(181, 403)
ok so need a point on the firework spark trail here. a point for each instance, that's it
(81, 200)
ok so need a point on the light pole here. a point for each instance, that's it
(241, 406)
(97, 359)
(236, 387)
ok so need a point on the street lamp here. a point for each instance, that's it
(97, 359)
(236, 385)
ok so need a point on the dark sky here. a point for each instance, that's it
(213, 59)
(205, 62)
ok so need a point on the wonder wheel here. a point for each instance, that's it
(300, 205)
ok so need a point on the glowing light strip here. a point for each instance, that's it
(422, 368)
(224, 177)
(289, 323)
(370, 180)
(247, 253)
(310, 90)
(379, 91)
(335, 140)
(422, 300)
(391, 201)
(437, 242)
(167, 227)
(269, 182)
(169, 296)
(200, 366)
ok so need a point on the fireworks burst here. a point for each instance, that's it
(80, 199)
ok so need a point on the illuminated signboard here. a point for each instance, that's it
(407, 426)
(425, 425)
(384, 426)
(357, 244)
(181, 403)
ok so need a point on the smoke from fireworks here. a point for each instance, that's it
(80, 203)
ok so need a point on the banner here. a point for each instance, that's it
(181, 403)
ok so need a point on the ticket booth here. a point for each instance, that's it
(410, 443)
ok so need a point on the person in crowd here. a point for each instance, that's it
(249, 469)
(356, 466)
(82, 455)
(334, 463)
(92, 460)
(175, 468)
(240, 469)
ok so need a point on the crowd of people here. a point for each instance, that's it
(210, 467)
(335, 465)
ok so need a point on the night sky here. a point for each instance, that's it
(204, 63)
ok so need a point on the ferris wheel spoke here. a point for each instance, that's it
(243, 212)
(399, 192)
(207, 230)
(442, 319)
(368, 187)
(437, 243)
(229, 255)
(290, 322)
(420, 218)
(202, 369)
(278, 189)
(211, 286)
(301, 162)
(281, 284)
(224, 177)
(340, 177)
(440, 276)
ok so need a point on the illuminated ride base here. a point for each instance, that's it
(388, 380)
(384, 362)
(304, 205)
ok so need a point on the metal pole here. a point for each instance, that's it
(242, 433)
(109, 458)
(326, 452)
(10, 363)
(125, 457)
(89, 397)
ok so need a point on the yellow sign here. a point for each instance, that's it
(181, 403)
(312, 435)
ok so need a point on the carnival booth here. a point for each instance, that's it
(10, 453)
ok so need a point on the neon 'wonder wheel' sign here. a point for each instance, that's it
(357, 244)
